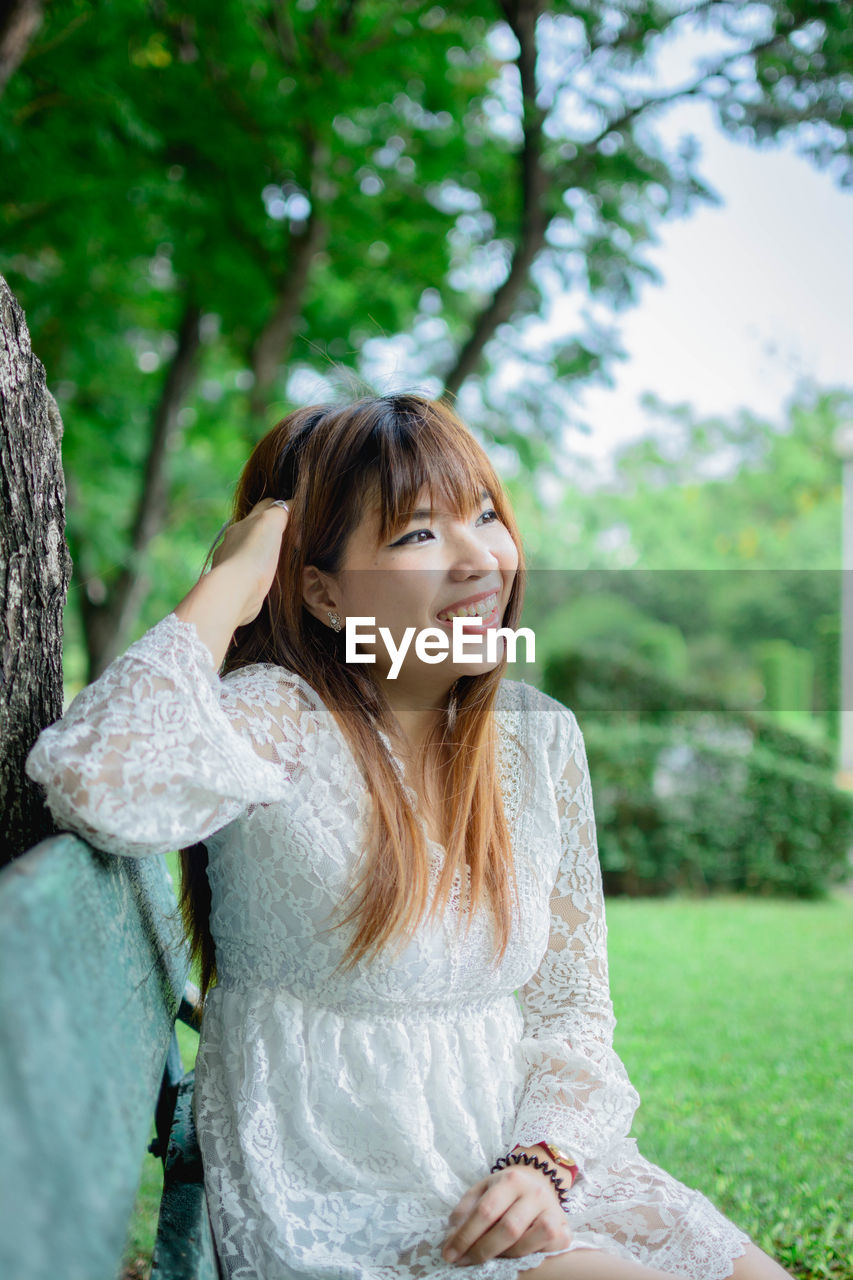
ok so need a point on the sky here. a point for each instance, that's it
(755, 293)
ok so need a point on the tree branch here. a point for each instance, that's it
(276, 30)
(347, 17)
(522, 16)
(19, 21)
(273, 343)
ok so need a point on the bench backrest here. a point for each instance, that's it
(92, 970)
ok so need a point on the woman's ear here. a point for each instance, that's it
(317, 594)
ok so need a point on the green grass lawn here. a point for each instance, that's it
(734, 1021)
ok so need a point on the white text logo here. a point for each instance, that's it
(432, 644)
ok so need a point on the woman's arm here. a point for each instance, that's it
(158, 752)
(578, 1095)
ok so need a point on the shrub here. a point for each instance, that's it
(602, 684)
(681, 807)
(694, 793)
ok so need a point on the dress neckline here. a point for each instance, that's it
(502, 705)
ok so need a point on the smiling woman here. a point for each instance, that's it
(374, 871)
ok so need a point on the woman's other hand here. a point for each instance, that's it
(250, 551)
(507, 1215)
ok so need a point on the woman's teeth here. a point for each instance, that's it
(481, 609)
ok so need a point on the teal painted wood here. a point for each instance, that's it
(184, 1248)
(91, 975)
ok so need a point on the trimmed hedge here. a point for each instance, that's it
(694, 795)
(604, 684)
(676, 810)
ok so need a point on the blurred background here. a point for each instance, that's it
(620, 239)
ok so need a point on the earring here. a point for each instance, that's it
(335, 620)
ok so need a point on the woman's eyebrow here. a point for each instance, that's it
(423, 513)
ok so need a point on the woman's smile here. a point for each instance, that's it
(479, 611)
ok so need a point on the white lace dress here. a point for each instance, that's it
(341, 1118)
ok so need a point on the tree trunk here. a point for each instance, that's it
(35, 568)
(107, 623)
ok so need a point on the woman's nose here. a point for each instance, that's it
(470, 554)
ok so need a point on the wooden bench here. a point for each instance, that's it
(93, 974)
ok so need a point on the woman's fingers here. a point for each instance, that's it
(250, 552)
(466, 1204)
(507, 1231)
(506, 1215)
(480, 1213)
(256, 539)
(546, 1234)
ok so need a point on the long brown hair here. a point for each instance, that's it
(332, 463)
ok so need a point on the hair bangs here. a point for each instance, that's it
(425, 449)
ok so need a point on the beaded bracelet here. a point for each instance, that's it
(523, 1158)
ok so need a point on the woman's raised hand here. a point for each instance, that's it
(242, 571)
(507, 1215)
(250, 552)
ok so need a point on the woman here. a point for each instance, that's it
(406, 1061)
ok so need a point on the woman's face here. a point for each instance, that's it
(437, 562)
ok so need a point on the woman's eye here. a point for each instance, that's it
(415, 532)
(405, 541)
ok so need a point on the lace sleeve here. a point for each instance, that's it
(158, 752)
(577, 1093)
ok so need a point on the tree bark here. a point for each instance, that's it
(19, 21)
(35, 568)
(107, 623)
